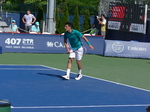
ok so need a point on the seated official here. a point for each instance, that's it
(14, 27)
(35, 28)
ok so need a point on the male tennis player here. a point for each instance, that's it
(76, 51)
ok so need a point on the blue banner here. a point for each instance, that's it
(32, 43)
(127, 49)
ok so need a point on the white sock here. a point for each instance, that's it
(68, 72)
(79, 72)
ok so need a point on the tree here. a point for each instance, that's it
(64, 19)
(26, 1)
(15, 1)
(86, 24)
(76, 19)
(35, 1)
(40, 15)
(57, 21)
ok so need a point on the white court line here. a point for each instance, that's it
(86, 106)
(103, 80)
(17, 65)
(23, 69)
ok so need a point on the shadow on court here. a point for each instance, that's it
(54, 75)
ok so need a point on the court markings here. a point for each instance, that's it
(22, 69)
(17, 68)
(87, 106)
(18, 65)
(73, 73)
(102, 79)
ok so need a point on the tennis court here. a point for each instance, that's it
(33, 83)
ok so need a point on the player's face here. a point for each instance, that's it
(67, 28)
(102, 17)
(28, 12)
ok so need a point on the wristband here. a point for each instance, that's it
(88, 43)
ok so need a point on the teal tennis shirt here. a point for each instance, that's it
(14, 27)
(35, 29)
(74, 38)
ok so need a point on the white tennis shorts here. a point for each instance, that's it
(76, 53)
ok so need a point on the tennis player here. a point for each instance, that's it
(76, 50)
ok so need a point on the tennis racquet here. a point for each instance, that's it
(84, 50)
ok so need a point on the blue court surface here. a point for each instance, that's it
(41, 89)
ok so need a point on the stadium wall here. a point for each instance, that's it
(32, 43)
(127, 49)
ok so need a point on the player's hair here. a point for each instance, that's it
(148, 109)
(103, 15)
(29, 10)
(69, 24)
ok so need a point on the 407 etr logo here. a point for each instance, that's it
(18, 41)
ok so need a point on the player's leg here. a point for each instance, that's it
(69, 65)
(26, 27)
(29, 27)
(79, 54)
(103, 33)
(79, 70)
(79, 64)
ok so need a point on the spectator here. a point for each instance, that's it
(28, 19)
(14, 27)
(35, 28)
(102, 21)
(95, 27)
(148, 109)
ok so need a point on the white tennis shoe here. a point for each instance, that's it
(66, 77)
(78, 77)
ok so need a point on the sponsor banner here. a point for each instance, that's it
(32, 43)
(127, 49)
(114, 25)
(139, 28)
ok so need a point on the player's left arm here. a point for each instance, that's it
(87, 41)
(34, 19)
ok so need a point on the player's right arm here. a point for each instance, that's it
(23, 19)
(66, 45)
(87, 41)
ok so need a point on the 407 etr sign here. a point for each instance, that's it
(19, 41)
